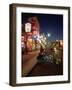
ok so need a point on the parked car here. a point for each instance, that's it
(44, 57)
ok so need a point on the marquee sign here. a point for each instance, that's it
(28, 27)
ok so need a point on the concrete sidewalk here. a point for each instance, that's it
(29, 55)
(29, 63)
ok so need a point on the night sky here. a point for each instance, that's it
(49, 23)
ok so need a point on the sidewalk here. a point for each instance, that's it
(28, 62)
(29, 56)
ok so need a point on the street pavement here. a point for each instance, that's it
(46, 69)
(31, 66)
(28, 62)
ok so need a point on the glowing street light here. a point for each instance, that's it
(49, 34)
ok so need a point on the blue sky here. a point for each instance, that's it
(49, 23)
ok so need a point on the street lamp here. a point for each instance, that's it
(48, 34)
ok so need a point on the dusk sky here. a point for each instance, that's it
(49, 23)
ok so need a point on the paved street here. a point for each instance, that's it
(31, 66)
(28, 62)
(43, 69)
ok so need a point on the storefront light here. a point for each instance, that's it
(55, 49)
(45, 38)
(61, 42)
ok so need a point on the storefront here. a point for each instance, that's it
(31, 34)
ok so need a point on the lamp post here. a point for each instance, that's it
(49, 35)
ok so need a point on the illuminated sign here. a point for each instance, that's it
(34, 32)
(28, 27)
